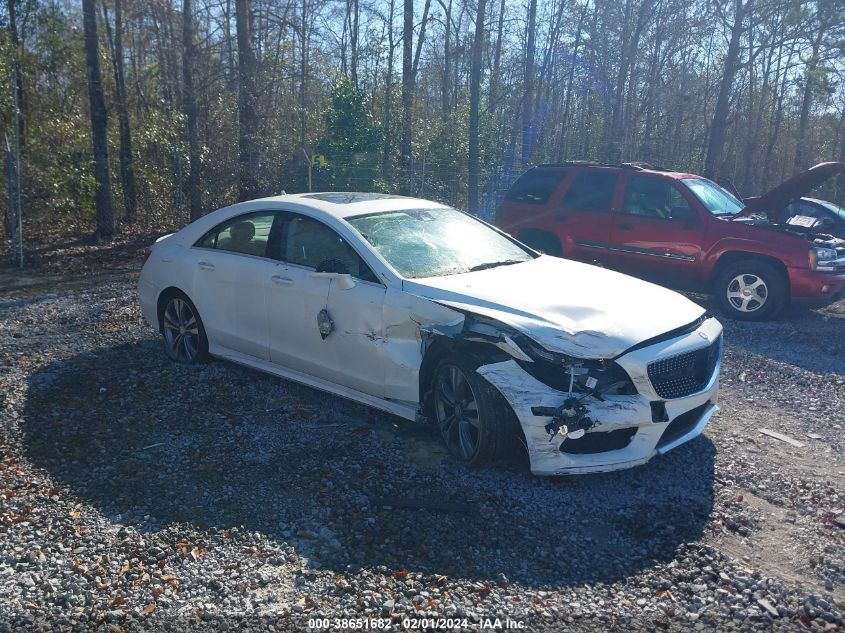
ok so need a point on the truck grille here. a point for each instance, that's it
(685, 374)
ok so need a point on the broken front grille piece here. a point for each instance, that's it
(685, 374)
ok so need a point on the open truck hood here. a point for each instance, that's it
(565, 306)
(775, 200)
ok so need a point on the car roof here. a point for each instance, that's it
(642, 168)
(346, 204)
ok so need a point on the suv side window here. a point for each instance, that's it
(591, 190)
(247, 234)
(310, 243)
(535, 186)
(651, 198)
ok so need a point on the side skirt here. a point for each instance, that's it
(405, 410)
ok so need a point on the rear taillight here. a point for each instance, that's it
(147, 252)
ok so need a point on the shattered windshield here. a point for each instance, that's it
(717, 200)
(437, 242)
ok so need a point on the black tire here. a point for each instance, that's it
(488, 428)
(542, 241)
(182, 330)
(751, 290)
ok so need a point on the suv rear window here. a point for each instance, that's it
(591, 190)
(535, 186)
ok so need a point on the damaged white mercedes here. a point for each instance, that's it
(428, 313)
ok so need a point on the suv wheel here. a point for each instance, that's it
(750, 290)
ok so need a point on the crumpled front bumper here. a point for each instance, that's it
(629, 416)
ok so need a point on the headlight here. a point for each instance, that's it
(821, 258)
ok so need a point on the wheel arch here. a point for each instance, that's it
(730, 257)
(535, 238)
(439, 348)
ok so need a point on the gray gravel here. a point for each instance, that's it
(136, 494)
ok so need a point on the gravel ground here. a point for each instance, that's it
(136, 494)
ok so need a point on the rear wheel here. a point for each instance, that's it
(181, 326)
(470, 414)
(751, 290)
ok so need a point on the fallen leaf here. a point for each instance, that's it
(75, 515)
(402, 573)
(148, 609)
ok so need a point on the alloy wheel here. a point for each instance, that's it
(181, 331)
(456, 408)
(747, 292)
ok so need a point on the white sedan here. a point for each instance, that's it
(428, 313)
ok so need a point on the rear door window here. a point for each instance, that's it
(591, 191)
(246, 234)
(535, 186)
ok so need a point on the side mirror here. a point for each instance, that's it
(684, 214)
(344, 281)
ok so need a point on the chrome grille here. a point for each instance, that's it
(685, 374)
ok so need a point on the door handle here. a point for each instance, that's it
(625, 227)
(561, 218)
(282, 280)
(205, 265)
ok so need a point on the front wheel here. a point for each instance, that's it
(470, 414)
(751, 290)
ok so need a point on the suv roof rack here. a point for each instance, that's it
(636, 166)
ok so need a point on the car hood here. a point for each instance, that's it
(565, 306)
(799, 185)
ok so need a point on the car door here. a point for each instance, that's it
(583, 217)
(232, 263)
(299, 301)
(657, 232)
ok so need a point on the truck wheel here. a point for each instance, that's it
(750, 290)
(541, 241)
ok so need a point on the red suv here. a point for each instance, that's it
(683, 231)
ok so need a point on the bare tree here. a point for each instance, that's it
(528, 83)
(719, 124)
(474, 99)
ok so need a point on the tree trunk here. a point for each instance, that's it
(406, 158)
(447, 62)
(718, 127)
(353, 37)
(99, 124)
(190, 109)
(567, 100)
(386, 171)
(127, 171)
(247, 115)
(495, 79)
(802, 152)
(18, 76)
(474, 98)
(528, 84)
